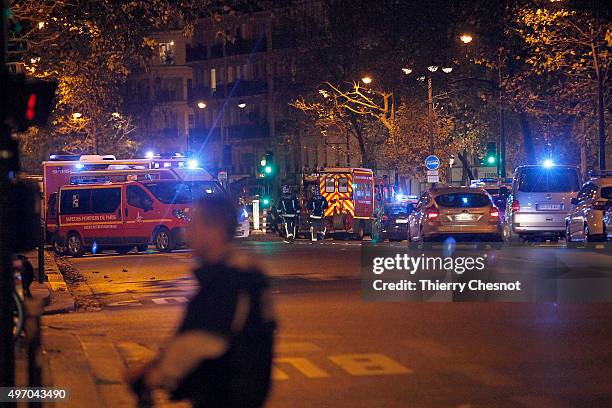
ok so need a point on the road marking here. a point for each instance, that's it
(303, 365)
(369, 364)
(170, 300)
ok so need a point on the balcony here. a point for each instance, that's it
(242, 88)
(238, 47)
(197, 53)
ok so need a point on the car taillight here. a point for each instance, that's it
(433, 213)
(515, 205)
(494, 212)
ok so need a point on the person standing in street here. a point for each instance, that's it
(289, 208)
(221, 355)
(316, 208)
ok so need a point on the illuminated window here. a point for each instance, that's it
(166, 53)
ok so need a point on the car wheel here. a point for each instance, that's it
(360, 234)
(164, 242)
(74, 245)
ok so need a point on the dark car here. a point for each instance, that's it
(394, 221)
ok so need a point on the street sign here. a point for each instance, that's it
(433, 179)
(432, 172)
(432, 162)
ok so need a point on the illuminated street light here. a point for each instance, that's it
(407, 71)
(466, 38)
(116, 115)
(201, 104)
(366, 80)
(242, 104)
(447, 70)
(76, 115)
(41, 25)
(432, 68)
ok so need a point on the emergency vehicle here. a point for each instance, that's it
(91, 169)
(121, 216)
(350, 196)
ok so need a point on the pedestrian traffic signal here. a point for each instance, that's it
(266, 201)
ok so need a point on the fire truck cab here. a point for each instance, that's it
(350, 196)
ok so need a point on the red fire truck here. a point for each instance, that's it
(350, 194)
(73, 170)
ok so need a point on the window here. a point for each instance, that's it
(166, 53)
(171, 193)
(203, 188)
(463, 200)
(213, 79)
(606, 192)
(76, 202)
(52, 204)
(330, 185)
(343, 185)
(137, 197)
(105, 200)
(543, 180)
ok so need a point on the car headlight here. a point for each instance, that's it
(181, 215)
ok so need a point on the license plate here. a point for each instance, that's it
(400, 221)
(548, 207)
(464, 217)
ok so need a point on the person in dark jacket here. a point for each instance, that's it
(22, 264)
(289, 209)
(316, 209)
(221, 355)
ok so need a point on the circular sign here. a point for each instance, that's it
(432, 162)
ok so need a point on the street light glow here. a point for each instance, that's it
(432, 68)
(366, 80)
(241, 104)
(466, 38)
(41, 25)
(76, 115)
(407, 71)
(201, 104)
(548, 163)
(447, 70)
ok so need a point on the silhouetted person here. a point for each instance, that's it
(22, 264)
(221, 355)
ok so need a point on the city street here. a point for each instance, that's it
(335, 349)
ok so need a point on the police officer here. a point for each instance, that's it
(316, 207)
(289, 208)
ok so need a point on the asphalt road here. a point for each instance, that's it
(336, 350)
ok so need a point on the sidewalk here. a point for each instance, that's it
(54, 292)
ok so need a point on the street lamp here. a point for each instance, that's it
(366, 80)
(407, 71)
(242, 104)
(466, 38)
(202, 105)
(76, 115)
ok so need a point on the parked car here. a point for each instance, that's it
(585, 221)
(540, 201)
(459, 212)
(394, 221)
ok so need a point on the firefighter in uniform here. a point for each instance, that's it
(289, 208)
(316, 208)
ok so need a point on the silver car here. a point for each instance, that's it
(540, 200)
(459, 212)
(585, 221)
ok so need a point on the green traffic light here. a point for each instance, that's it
(266, 201)
(268, 169)
(491, 159)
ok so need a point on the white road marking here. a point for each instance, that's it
(369, 364)
(303, 365)
(170, 300)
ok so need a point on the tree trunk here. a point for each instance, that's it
(360, 141)
(466, 165)
(527, 139)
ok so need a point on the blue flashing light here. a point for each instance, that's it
(79, 166)
(150, 155)
(464, 199)
(548, 163)
(193, 164)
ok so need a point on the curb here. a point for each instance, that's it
(61, 299)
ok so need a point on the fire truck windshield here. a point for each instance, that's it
(171, 192)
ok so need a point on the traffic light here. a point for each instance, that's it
(266, 201)
(268, 167)
(491, 154)
(30, 104)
